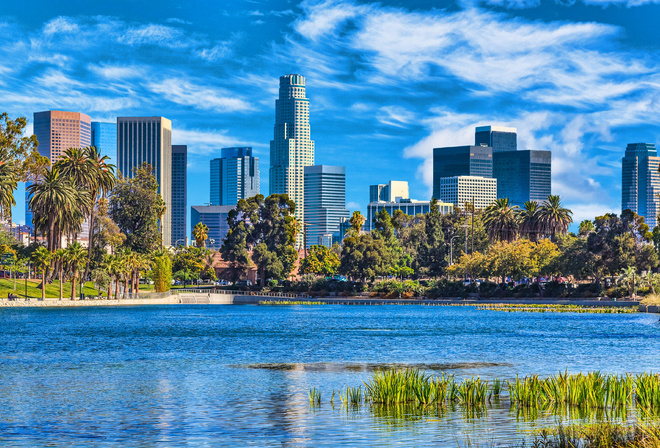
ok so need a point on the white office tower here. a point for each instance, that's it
(291, 149)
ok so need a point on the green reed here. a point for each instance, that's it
(314, 397)
(555, 308)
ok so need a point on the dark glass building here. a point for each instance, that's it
(640, 181)
(523, 175)
(234, 176)
(179, 193)
(460, 161)
(499, 138)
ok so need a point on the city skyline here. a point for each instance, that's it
(387, 81)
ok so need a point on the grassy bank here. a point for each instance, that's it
(52, 289)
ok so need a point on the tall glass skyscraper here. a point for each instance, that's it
(148, 140)
(499, 138)
(179, 193)
(104, 137)
(325, 203)
(523, 175)
(640, 181)
(460, 161)
(56, 132)
(234, 176)
(291, 149)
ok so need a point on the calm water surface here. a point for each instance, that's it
(239, 375)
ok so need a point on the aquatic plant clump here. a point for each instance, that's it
(555, 308)
(590, 391)
(599, 435)
(291, 302)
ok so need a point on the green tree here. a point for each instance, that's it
(554, 218)
(320, 261)
(189, 263)
(60, 259)
(586, 227)
(501, 220)
(162, 271)
(57, 205)
(365, 257)
(137, 207)
(76, 257)
(41, 260)
(88, 170)
(529, 218)
(432, 246)
(201, 234)
(267, 223)
(357, 221)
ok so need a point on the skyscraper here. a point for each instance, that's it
(393, 191)
(234, 176)
(523, 175)
(499, 138)
(291, 149)
(56, 132)
(460, 161)
(148, 140)
(215, 218)
(104, 137)
(325, 203)
(179, 193)
(459, 190)
(640, 181)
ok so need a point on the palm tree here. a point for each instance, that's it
(116, 269)
(92, 172)
(60, 257)
(554, 218)
(529, 220)
(630, 279)
(501, 220)
(76, 257)
(56, 204)
(8, 183)
(201, 233)
(41, 260)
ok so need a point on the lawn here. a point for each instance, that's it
(52, 289)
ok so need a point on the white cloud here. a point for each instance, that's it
(515, 4)
(324, 18)
(182, 91)
(117, 72)
(61, 25)
(155, 35)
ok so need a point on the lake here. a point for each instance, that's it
(240, 375)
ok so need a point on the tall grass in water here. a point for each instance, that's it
(407, 386)
(314, 397)
(647, 393)
(599, 435)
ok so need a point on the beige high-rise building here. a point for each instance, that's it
(291, 149)
(56, 132)
(148, 139)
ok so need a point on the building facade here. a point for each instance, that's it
(499, 138)
(215, 218)
(179, 193)
(408, 206)
(523, 175)
(234, 176)
(459, 190)
(104, 137)
(393, 191)
(57, 131)
(640, 181)
(148, 140)
(291, 149)
(460, 161)
(325, 203)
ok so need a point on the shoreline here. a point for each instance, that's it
(207, 298)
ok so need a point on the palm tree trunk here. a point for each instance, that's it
(43, 284)
(110, 289)
(137, 282)
(73, 286)
(90, 237)
(61, 280)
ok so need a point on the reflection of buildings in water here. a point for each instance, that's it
(288, 410)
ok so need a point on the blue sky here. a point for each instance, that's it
(387, 81)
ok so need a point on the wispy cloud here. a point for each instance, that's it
(187, 93)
